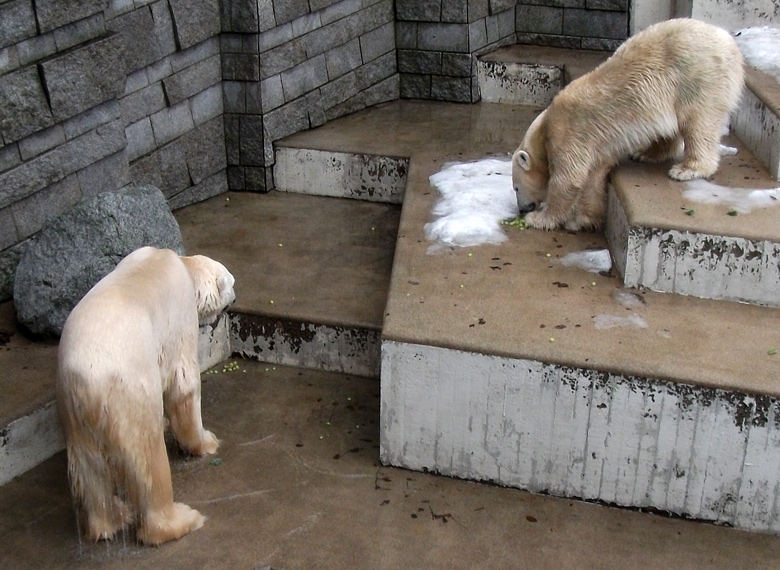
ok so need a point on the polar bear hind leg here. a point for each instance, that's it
(661, 150)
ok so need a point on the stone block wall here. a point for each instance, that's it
(576, 24)
(292, 65)
(98, 94)
(437, 41)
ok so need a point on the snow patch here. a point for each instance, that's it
(742, 200)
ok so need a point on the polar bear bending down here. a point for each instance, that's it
(671, 86)
(128, 356)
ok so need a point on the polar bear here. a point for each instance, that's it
(668, 89)
(128, 357)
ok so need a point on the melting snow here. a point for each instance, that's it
(594, 260)
(743, 200)
(760, 47)
(475, 197)
(605, 321)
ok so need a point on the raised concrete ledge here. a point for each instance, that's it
(665, 243)
(28, 441)
(707, 454)
(757, 120)
(306, 345)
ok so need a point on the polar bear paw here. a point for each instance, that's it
(541, 220)
(680, 173)
(171, 523)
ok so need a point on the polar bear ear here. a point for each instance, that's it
(523, 160)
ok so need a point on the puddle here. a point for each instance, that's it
(592, 260)
(760, 47)
(474, 198)
(742, 200)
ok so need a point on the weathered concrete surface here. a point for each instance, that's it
(300, 487)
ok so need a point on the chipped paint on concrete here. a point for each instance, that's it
(736, 14)
(702, 453)
(28, 441)
(758, 127)
(519, 83)
(342, 175)
(306, 345)
(214, 343)
(699, 265)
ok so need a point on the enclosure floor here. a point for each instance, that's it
(300, 487)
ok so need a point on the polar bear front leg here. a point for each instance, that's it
(701, 136)
(561, 196)
(182, 406)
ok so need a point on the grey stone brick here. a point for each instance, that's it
(455, 11)
(159, 70)
(275, 37)
(174, 173)
(506, 25)
(497, 6)
(254, 100)
(341, 9)
(415, 86)
(172, 122)
(9, 157)
(289, 10)
(306, 24)
(9, 60)
(212, 186)
(40, 142)
(406, 35)
(315, 110)
(595, 24)
(456, 64)
(207, 105)
(265, 15)
(304, 78)
(140, 139)
(142, 103)
(55, 13)
(147, 170)
(454, 89)
(282, 58)
(339, 90)
(80, 32)
(194, 21)
(148, 34)
(85, 77)
(320, 4)
(387, 90)
(204, 148)
(231, 43)
(416, 61)
(619, 5)
(539, 20)
(36, 48)
(192, 80)
(600, 44)
(235, 178)
(554, 3)
(419, 11)
(279, 123)
(343, 59)
(443, 37)
(135, 81)
(17, 22)
(329, 37)
(271, 93)
(478, 9)
(240, 16)
(240, 67)
(24, 105)
(35, 211)
(375, 71)
(232, 138)
(60, 162)
(111, 173)
(377, 42)
(118, 7)
(8, 234)
(258, 179)
(478, 35)
(188, 57)
(92, 119)
(251, 141)
(569, 42)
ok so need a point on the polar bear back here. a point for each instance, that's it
(144, 309)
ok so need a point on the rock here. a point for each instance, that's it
(80, 247)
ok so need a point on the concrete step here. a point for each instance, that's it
(500, 364)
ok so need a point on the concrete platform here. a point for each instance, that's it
(300, 487)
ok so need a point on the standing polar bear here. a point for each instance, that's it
(667, 89)
(128, 357)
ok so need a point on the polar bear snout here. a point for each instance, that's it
(524, 209)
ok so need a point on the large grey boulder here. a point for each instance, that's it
(77, 249)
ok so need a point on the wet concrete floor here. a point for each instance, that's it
(299, 486)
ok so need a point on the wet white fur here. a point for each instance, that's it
(128, 357)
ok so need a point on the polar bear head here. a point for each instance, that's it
(213, 286)
(530, 170)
